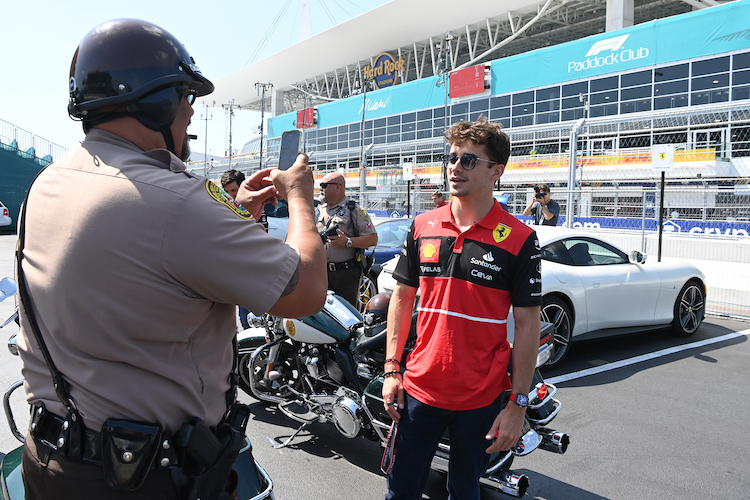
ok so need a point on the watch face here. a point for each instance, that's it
(521, 399)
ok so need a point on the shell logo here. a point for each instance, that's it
(290, 327)
(430, 251)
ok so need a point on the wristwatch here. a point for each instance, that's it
(521, 400)
(348, 242)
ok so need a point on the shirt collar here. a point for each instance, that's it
(164, 158)
(489, 221)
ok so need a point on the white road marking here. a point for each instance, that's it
(645, 357)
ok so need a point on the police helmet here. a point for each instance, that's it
(129, 67)
(376, 313)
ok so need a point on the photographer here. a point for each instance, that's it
(545, 210)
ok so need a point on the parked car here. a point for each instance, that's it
(391, 236)
(4, 215)
(591, 288)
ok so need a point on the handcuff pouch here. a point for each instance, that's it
(128, 451)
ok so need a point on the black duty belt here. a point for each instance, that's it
(49, 429)
(338, 266)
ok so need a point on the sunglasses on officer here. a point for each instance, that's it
(468, 161)
(188, 93)
(324, 185)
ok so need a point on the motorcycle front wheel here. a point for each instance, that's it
(253, 373)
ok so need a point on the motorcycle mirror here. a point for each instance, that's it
(13, 344)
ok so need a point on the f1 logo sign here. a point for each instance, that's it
(608, 44)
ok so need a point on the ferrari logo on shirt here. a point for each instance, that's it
(429, 251)
(500, 233)
(222, 197)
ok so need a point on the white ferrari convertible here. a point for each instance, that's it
(591, 288)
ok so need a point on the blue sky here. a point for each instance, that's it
(38, 39)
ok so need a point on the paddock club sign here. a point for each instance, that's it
(385, 70)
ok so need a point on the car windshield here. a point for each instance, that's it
(392, 233)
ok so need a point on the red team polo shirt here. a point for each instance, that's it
(467, 282)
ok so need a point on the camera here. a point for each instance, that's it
(325, 235)
(539, 196)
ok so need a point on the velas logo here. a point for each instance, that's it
(384, 71)
(607, 53)
(429, 251)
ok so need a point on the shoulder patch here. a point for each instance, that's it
(364, 214)
(222, 197)
(501, 233)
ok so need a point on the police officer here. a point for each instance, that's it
(349, 228)
(131, 294)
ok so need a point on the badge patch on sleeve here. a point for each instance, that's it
(501, 232)
(222, 197)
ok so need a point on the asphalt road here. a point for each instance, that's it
(660, 417)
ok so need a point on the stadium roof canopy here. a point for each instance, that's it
(328, 66)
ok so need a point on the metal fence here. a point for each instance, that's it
(28, 145)
(608, 181)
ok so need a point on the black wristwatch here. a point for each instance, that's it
(521, 400)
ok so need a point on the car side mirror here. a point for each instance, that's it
(637, 257)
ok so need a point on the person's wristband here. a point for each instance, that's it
(392, 360)
(391, 374)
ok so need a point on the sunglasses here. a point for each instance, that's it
(468, 161)
(190, 94)
(324, 185)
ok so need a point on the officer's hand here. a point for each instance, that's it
(393, 392)
(256, 191)
(338, 241)
(297, 182)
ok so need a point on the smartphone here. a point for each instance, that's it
(289, 148)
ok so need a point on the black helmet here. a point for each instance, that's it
(131, 64)
(376, 313)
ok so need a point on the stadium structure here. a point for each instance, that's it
(584, 88)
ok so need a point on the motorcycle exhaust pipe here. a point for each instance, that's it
(508, 482)
(554, 441)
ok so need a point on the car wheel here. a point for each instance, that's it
(556, 311)
(689, 309)
(367, 290)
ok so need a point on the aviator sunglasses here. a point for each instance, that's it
(324, 185)
(468, 161)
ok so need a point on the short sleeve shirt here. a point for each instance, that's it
(347, 220)
(134, 267)
(538, 211)
(468, 281)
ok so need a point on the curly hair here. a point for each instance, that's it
(482, 132)
(231, 176)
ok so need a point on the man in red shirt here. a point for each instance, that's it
(438, 199)
(471, 260)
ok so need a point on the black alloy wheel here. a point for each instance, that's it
(689, 309)
(556, 311)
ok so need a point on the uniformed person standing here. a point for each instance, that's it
(353, 230)
(134, 293)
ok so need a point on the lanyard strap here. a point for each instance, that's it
(61, 387)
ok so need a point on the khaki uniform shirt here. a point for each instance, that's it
(343, 216)
(134, 267)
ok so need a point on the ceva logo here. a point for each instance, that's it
(614, 56)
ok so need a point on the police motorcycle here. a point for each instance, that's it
(253, 483)
(328, 368)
